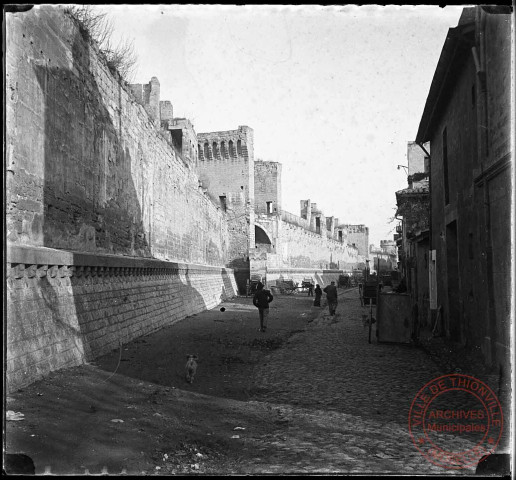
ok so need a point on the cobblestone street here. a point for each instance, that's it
(357, 395)
(333, 366)
(321, 400)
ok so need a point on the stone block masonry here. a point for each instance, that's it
(226, 169)
(294, 243)
(148, 96)
(64, 309)
(88, 168)
(110, 236)
(301, 248)
(267, 187)
(358, 235)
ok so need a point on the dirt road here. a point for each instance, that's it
(227, 343)
(133, 412)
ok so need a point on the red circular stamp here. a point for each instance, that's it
(456, 421)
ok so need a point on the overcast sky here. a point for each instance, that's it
(332, 93)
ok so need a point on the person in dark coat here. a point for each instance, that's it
(332, 297)
(311, 290)
(261, 300)
(402, 287)
(318, 295)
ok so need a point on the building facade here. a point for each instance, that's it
(412, 233)
(467, 120)
(383, 259)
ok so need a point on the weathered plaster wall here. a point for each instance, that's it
(87, 168)
(416, 158)
(473, 266)
(498, 83)
(459, 120)
(419, 275)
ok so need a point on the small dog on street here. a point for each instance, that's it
(191, 367)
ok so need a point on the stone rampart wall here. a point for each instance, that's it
(109, 235)
(267, 187)
(226, 169)
(65, 308)
(301, 248)
(87, 168)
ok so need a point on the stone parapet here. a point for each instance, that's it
(66, 308)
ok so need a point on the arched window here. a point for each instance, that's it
(206, 151)
(239, 148)
(215, 149)
(201, 156)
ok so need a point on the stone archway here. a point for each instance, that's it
(261, 237)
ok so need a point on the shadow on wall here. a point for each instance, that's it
(91, 205)
(90, 201)
(65, 330)
(241, 269)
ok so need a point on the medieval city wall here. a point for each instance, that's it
(304, 248)
(267, 187)
(87, 168)
(358, 235)
(64, 308)
(108, 230)
(293, 245)
(226, 169)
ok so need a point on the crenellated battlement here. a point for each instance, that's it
(226, 169)
(226, 145)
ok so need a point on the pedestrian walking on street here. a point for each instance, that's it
(311, 290)
(331, 296)
(261, 300)
(318, 295)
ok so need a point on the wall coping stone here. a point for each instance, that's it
(31, 255)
